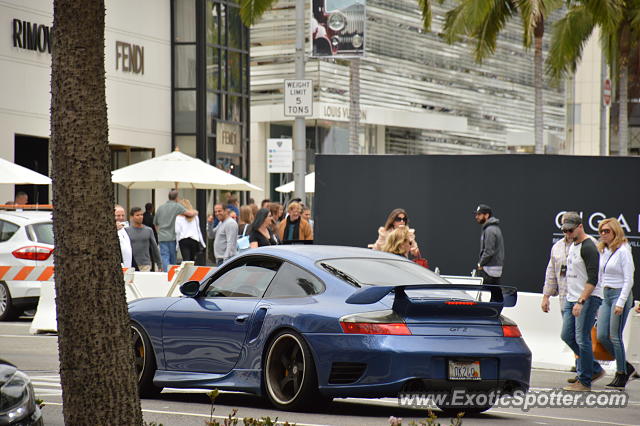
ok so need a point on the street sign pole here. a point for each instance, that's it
(299, 150)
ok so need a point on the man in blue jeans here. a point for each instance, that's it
(584, 297)
(165, 222)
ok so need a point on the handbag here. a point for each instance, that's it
(243, 241)
(599, 351)
(421, 261)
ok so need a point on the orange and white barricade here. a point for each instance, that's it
(187, 271)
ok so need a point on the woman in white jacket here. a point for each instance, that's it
(188, 234)
(616, 278)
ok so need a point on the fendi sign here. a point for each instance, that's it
(31, 36)
(129, 57)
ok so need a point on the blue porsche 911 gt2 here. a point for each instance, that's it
(305, 324)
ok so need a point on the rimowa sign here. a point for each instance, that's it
(32, 36)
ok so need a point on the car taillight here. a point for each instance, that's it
(398, 329)
(511, 331)
(32, 253)
(509, 328)
(376, 322)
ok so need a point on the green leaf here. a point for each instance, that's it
(569, 36)
(252, 10)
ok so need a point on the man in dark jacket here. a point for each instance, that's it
(491, 258)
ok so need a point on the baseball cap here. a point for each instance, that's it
(483, 208)
(571, 220)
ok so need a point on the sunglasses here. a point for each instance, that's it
(605, 231)
(401, 219)
(568, 231)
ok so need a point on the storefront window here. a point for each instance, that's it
(185, 111)
(184, 20)
(235, 72)
(212, 68)
(213, 35)
(185, 66)
(235, 28)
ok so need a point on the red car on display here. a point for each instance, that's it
(338, 27)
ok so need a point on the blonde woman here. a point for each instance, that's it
(188, 234)
(616, 277)
(398, 218)
(398, 242)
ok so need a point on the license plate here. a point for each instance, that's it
(464, 370)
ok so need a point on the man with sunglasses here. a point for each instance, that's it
(491, 246)
(584, 297)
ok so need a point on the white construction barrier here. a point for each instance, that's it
(542, 331)
(44, 321)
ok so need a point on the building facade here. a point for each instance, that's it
(176, 77)
(418, 94)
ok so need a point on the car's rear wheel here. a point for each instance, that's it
(290, 375)
(145, 362)
(7, 310)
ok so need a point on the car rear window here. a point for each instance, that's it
(44, 232)
(383, 271)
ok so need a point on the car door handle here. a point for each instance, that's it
(241, 318)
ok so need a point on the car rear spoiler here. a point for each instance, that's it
(501, 296)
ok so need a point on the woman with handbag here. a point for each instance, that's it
(616, 276)
(397, 218)
(261, 234)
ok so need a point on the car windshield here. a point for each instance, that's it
(332, 5)
(367, 271)
(44, 232)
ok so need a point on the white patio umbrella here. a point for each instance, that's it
(12, 173)
(178, 170)
(309, 184)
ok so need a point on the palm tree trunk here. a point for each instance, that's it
(538, 75)
(94, 345)
(623, 118)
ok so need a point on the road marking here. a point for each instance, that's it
(39, 336)
(560, 418)
(179, 413)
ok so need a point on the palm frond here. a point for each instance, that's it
(425, 9)
(455, 23)
(607, 13)
(633, 15)
(568, 38)
(533, 13)
(252, 10)
(487, 32)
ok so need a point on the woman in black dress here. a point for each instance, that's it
(261, 235)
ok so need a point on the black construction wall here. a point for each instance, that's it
(354, 195)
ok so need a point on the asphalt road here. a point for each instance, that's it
(38, 356)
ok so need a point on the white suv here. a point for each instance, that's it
(26, 239)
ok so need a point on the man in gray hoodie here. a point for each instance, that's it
(491, 258)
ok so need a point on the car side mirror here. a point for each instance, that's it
(190, 288)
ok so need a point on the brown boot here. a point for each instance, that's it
(577, 387)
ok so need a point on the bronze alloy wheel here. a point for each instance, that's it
(138, 352)
(289, 373)
(144, 361)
